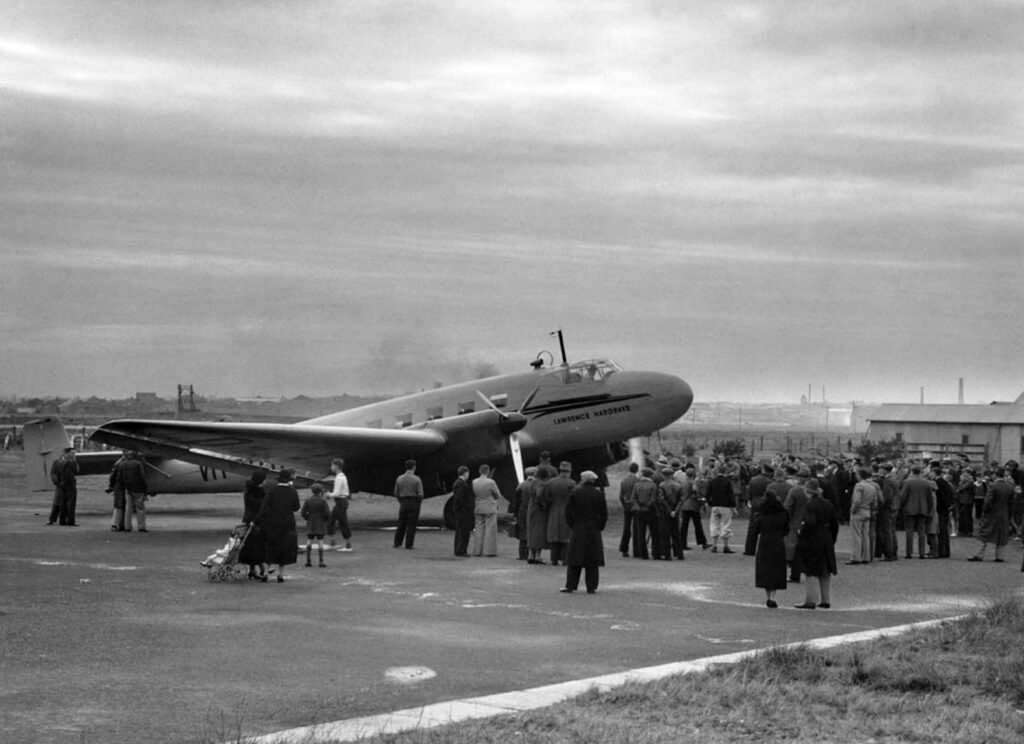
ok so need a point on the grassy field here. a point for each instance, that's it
(962, 682)
(959, 682)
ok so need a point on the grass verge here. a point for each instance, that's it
(958, 682)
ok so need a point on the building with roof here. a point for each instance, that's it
(982, 433)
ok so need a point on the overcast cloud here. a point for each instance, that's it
(323, 197)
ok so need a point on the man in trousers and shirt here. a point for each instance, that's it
(409, 492)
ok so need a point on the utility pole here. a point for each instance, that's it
(186, 404)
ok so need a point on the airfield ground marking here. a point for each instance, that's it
(506, 703)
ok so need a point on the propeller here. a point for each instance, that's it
(510, 424)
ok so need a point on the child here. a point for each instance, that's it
(218, 557)
(317, 514)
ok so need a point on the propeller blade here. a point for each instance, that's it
(529, 399)
(636, 450)
(490, 404)
(517, 455)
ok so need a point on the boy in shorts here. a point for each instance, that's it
(317, 514)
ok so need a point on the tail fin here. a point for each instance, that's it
(45, 440)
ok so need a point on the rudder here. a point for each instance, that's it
(45, 440)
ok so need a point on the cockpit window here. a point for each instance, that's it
(590, 370)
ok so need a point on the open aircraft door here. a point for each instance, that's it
(45, 440)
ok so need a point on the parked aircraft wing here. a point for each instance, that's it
(241, 448)
(45, 440)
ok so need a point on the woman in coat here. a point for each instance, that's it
(586, 512)
(254, 551)
(815, 548)
(770, 528)
(277, 518)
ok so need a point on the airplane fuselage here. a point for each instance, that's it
(582, 413)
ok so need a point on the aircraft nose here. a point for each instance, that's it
(677, 394)
(670, 396)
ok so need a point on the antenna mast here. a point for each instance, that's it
(561, 346)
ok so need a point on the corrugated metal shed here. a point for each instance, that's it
(997, 413)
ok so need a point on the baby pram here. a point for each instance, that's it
(222, 565)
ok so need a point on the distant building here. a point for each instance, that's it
(981, 432)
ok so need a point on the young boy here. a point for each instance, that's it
(317, 514)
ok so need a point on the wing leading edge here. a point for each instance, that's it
(242, 448)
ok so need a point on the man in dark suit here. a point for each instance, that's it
(463, 503)
(587, 513)
(917, 502)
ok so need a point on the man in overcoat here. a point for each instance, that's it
(558, 529)
(63, 474)
(587, 513)
(815, 548)
(995, 524)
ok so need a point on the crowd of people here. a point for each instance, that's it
(795, 509)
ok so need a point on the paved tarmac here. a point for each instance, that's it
(111, 637)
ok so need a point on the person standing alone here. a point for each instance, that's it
(409, 492)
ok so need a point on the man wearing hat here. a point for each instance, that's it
(63, 474)
(645, 492)
(558, 529)
(815, 548)
(519, 506)
(885, 528)
(586, 513)
(546, 466)
(670, 495)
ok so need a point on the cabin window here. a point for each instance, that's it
(965, 439)
(375, 424)
(899, 436)
(435, 412)
(467, 407)
(403, 420)
(500, 401)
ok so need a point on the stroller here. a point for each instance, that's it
(222, 565)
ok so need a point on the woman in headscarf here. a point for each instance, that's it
(769, 529)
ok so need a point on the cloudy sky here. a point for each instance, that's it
(273, 198)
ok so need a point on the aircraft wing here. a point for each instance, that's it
(242, 448)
